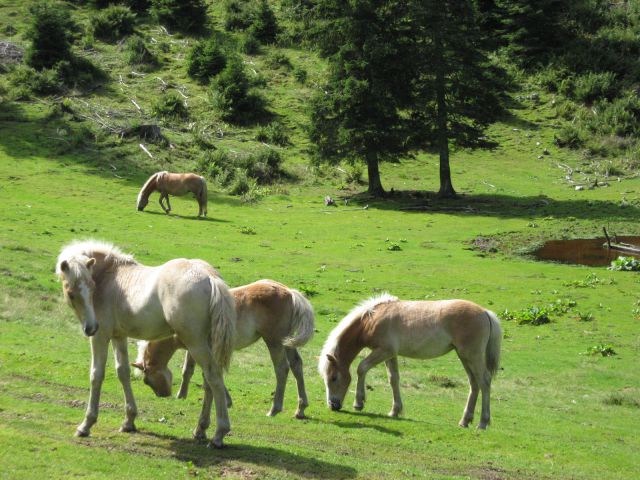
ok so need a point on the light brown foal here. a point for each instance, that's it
(418, 329)
(265, 309)
(176, 184)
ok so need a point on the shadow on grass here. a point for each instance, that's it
(367, 426)
(502, 206)
(185, 217)
(188, 450)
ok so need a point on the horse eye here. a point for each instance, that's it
(70, 295)
(334, 378)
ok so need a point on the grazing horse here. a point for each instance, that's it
(177, 184)
(420, 329)
(282, 316)
(115, 297)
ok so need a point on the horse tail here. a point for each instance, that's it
(492, 357)
(222, 310)
(302, 321)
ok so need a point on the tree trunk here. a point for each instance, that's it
(375, 185)
(446, 187)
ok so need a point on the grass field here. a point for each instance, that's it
(558, 412)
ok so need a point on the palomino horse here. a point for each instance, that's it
(282, 316)
(421, 329)
(177, 184)
(115, 297)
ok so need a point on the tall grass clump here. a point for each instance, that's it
(170, 106)
(137, 52)
(274, 133)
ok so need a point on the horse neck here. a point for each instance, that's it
(159, 352)
(351, 342)
(150, 186)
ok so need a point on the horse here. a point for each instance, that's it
(280, 315)
(177, 184)
(115, 297)
(415, 329)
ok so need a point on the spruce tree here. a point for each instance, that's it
(51, 34)
(357, 115)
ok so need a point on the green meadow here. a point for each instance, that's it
(562, 408)
(558, 410)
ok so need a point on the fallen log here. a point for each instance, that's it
(620, 246)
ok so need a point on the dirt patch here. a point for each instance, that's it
(10, 53)
(238, 472)
(484, 244)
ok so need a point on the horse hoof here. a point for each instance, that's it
(81, 433)
(392, 414)
(273, 413)
(358, 407)
(200, 437)
(482, 426)
(128, 429)
(300, 415)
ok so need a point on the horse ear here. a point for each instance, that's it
(333, 360)
(138, 365)
(90, 263)
(64, 266)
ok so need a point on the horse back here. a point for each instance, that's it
(264, 309)
(425, 329)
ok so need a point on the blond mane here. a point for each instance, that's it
(90, 248)
(365, 307)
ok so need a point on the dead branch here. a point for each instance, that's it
(145, 150)
(136, 105)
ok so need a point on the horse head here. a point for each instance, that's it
(159, 379)
(142, 202)
(337, 380)
(78, 287)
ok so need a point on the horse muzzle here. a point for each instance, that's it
(90, 331)
(335, 405)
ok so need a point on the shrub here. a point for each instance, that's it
(137, 52)
(353, 173)
(184, 15)
(595, 86)
(205, 60)
(237, 14)
(51, 34)
(170, 105)
(273, 133)
(264, 25)
(605, 350)
(620, 117)
(570, 136)
(113, 23)
(250, 44)
(300, 74)
(278, 59)
(231, 94)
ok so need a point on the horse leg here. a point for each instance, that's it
(99, 348)
(467, 415)
(187, 372)
(121, 356)
(166, 197)
(485, 388)
(162, 197)
(295, 362)
(281, 368)
(374, 358)
(394, 381)
(214, 388)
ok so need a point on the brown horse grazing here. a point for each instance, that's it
(420, 329)
(282, 316)
(177, 184)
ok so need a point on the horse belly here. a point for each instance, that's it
(428, 344)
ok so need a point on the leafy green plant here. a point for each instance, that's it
(606, 350)
(300, 74)
(247, 230)
(278, 60)
(264, 25)
(625, 264)
(274, 133)
(584, 316)
(231, 94)
(51, 31)
(184, 15)
(394, 247)
(621, 400)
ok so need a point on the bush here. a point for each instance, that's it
(205, 60)
(620, 117)
(51, 33)
(273, 133)
(595, 86)
(353, 173)
(250, 44)
(570, 136)
(264, 25)
(231, 94)
(113, 23)
(625, 264)
(300, 74)
(45, 82)
(137, 52)
(237, 15)
(170, 105)
(184, 15)
(278, 59)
